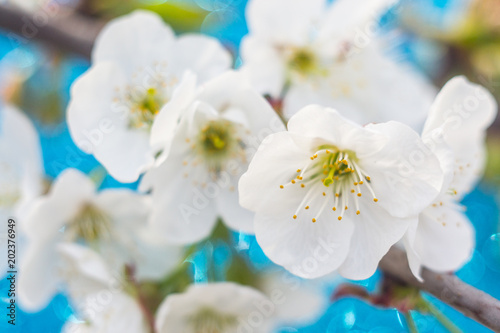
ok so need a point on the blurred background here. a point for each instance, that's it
(441, 38)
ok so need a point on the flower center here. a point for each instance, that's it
(90, 224)
(146, 94)
(334, 175)
(144, 108)
(216, 143)
(210, 321)
(303, 62)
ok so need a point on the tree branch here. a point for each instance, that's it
(74, 33)
(55, 24)
(470, 301)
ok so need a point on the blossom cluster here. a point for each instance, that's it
(325, 148)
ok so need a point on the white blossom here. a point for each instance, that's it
(137, 65)
(112, 222)
(443, 238)
(329, 54)
(223, 307)
(218, 134)
(330, 194)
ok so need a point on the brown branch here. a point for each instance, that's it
(75, 33)
(470, 301)
(55, 24)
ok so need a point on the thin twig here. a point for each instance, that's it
(55, 24)
(450, 289)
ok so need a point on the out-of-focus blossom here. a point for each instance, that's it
(315, 52)
(443, 238)
(304, 301)
(98, 294)
(112, 222)
(21, 175)
(137, 64)
(21, 170)
(217, 136)
(330, 194)
(216, 307)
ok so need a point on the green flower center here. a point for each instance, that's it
(91, 224)
(145, 109)
(303, 61)
(210, 321)
(335, 175)
(217, 142)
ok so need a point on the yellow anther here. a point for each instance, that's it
(307, 207)
(314, 220)
(327, 151)
(360, 182)
(302, 185)
(184, 163)
(293, 181)
(315, 155)
(340, 218)
(358, 212)
(299, 177)
(337, 195)
(298, 170)
(368, 178)
(355, 183)
(359, 194)
(334, 208)
(375, 199)
(312, 158)
(295, 216)
(346, 207)
(352, 191)
(281, 186)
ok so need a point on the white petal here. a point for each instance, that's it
(204, 55)
(134, 41)
(374, 233)
(331, 128)
(306, 249)
(263, 65)
(276, 162)
(284, 21)
(405, 175)
(21, 158)
(345, 17)
(229, 209)
(463, 110)
(183, 213)
(39, 281)
(304, 300)
(100, 125)
(408, 242)
(444, 238)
